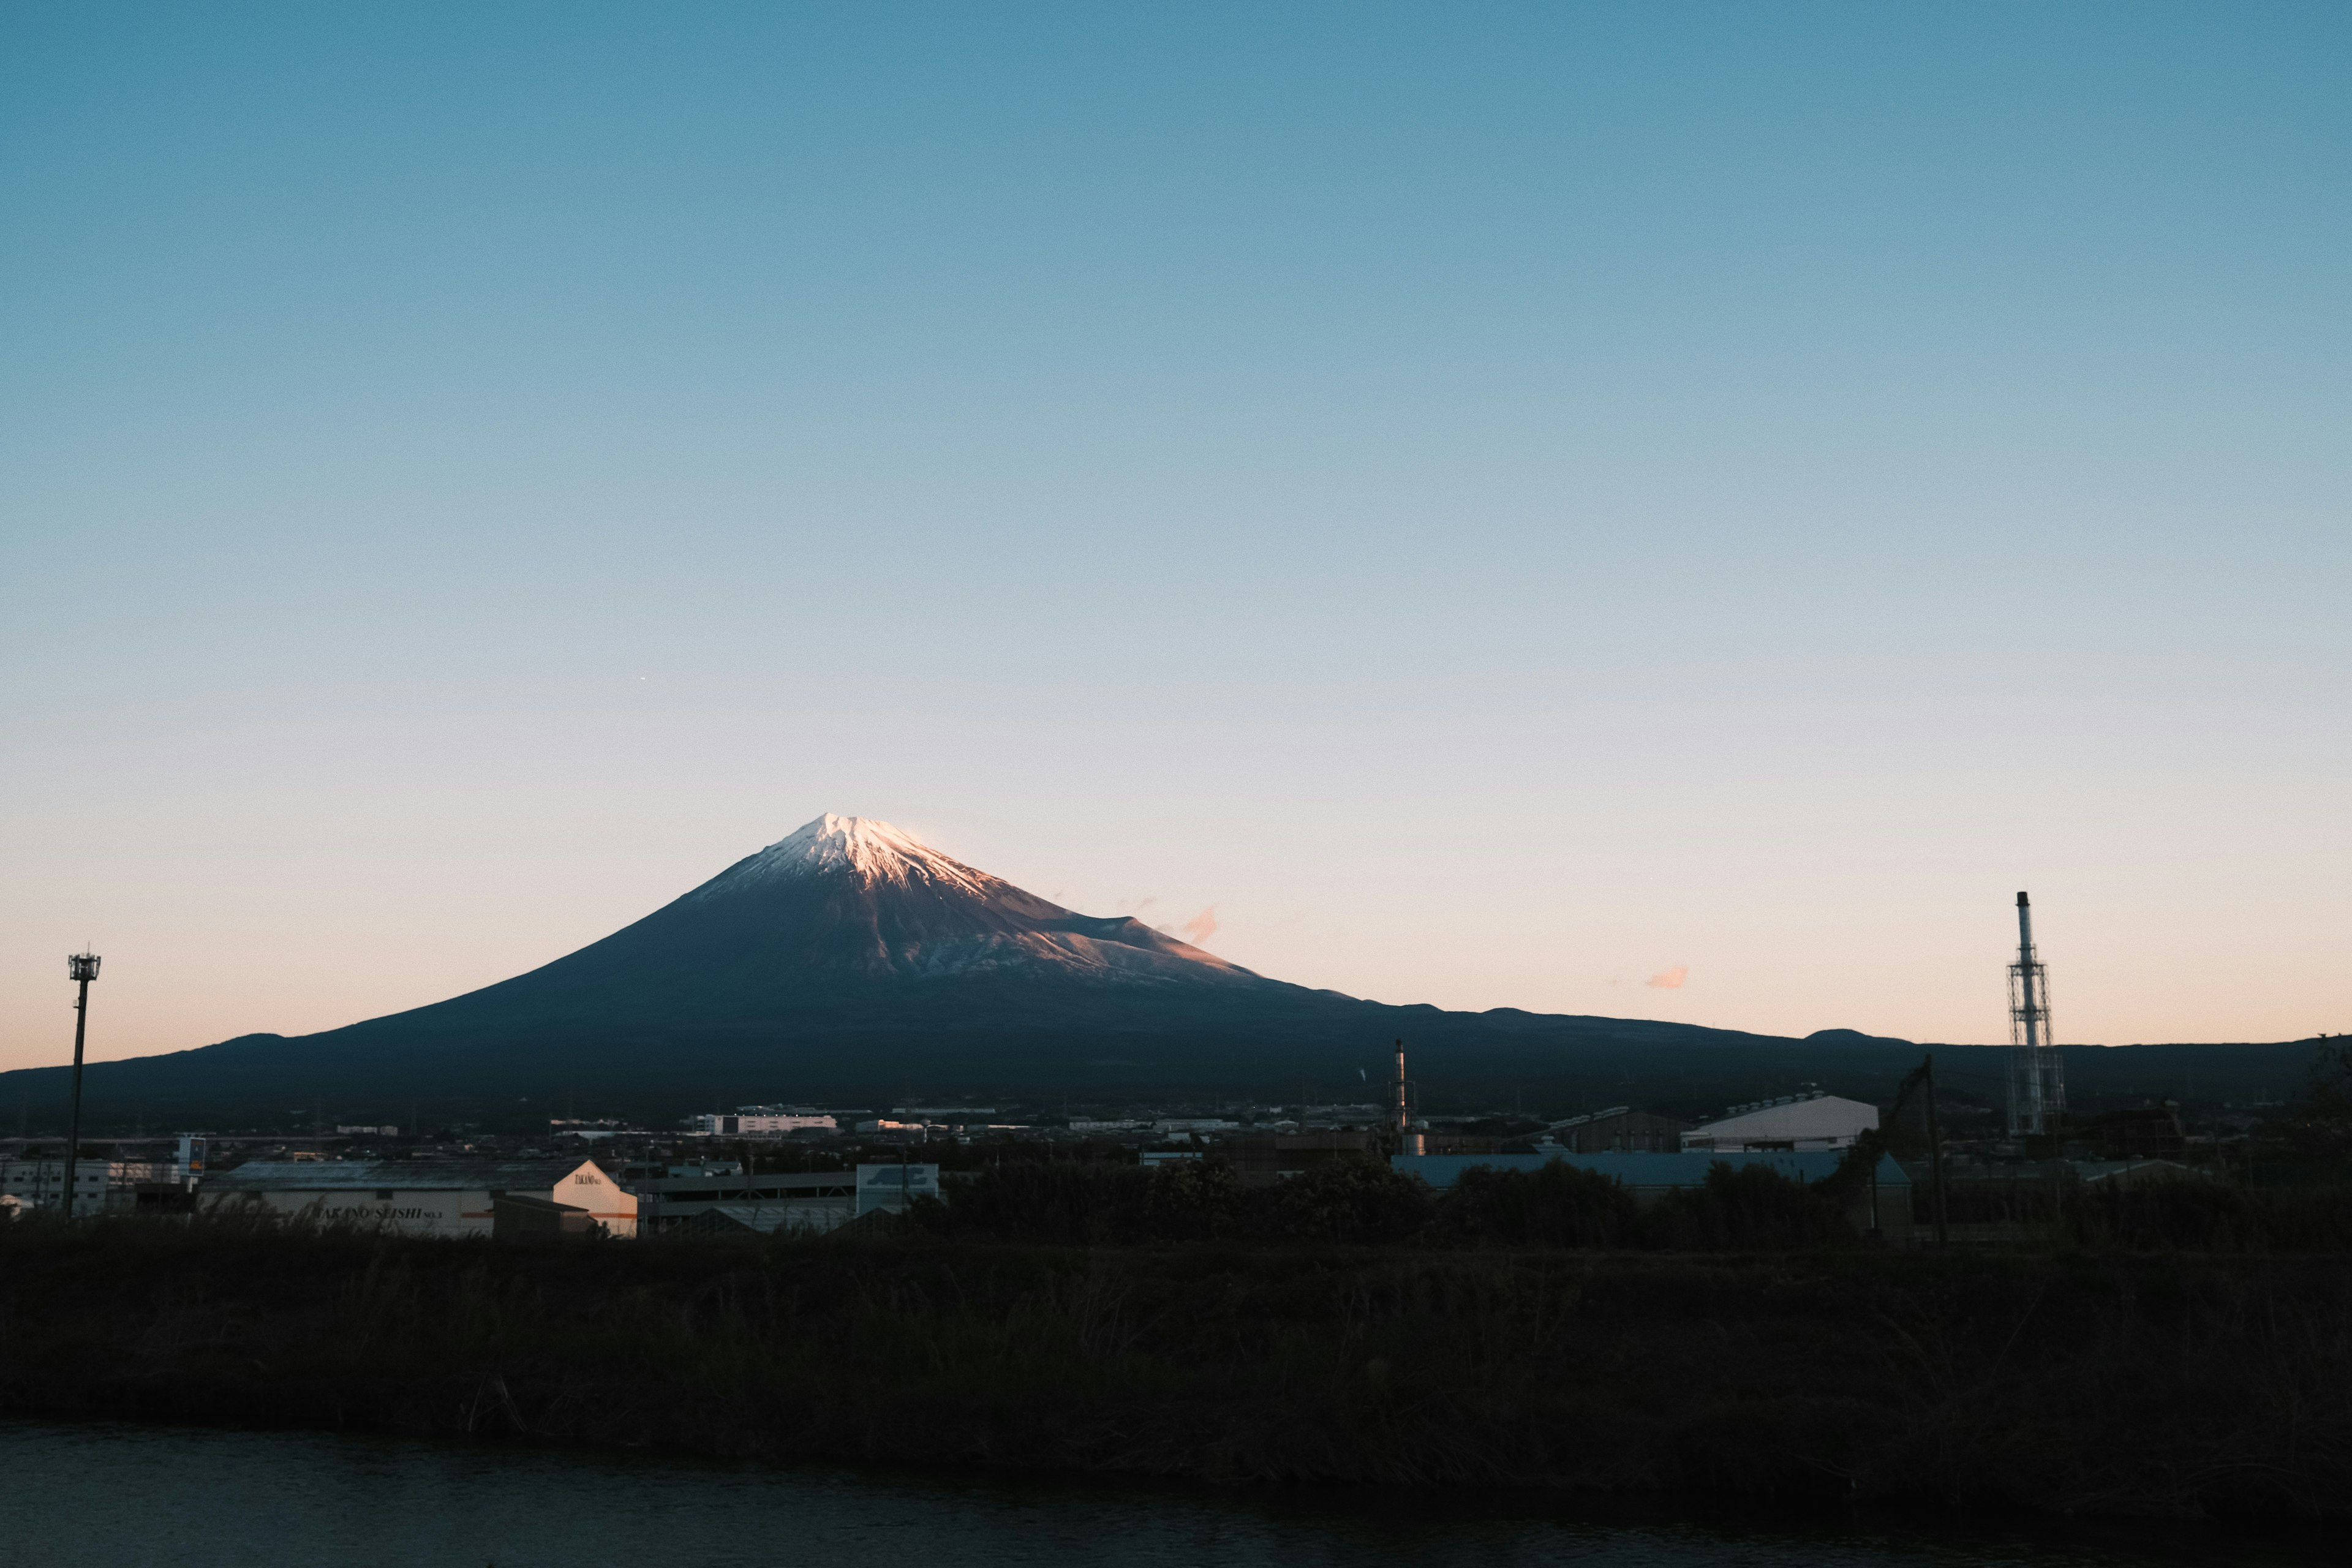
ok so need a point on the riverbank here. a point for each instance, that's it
(2158, 1386)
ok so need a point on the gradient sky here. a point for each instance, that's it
(1500, 503)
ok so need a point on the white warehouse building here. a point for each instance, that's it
(761, 1121)
(100, 1186)
(1797, 1123)
(422, 1197)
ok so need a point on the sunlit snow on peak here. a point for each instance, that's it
(864, 846)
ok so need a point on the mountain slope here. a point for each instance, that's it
(847, 953)
(852, 924)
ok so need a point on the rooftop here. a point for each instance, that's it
(411, 1175)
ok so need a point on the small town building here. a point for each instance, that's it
(669, 1197)
(673, 1197)
(100, 1186)
(419, 1197)
(763, 1122)
(1794, 1123)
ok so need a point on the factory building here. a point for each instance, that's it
(718, 1194)
(422, 1197)
(1620, 1130)
(1262, 1159)
(100, 1186)
(763, 1121)
(1796, 1123)
(673, 1195)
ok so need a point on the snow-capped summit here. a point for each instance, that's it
(869, 849)
(848, 920)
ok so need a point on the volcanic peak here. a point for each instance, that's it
(859, 847)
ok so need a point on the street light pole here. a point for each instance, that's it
(82, 967)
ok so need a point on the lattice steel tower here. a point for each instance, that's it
(2037, 1078)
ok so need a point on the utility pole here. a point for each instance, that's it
(81, 968)
(1936, 1156)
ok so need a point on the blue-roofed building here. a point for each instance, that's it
(1885, 1201)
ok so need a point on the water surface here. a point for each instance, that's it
(95, 1496)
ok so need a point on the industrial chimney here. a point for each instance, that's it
(1408, 1141)
(2037, 1077)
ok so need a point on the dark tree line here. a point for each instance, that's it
(1363, 1203)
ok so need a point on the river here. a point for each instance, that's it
(97, 1496)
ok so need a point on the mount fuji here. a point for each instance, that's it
(851, 958)
(851, 924)
(848, 956)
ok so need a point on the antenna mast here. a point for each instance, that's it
(2037, 1077)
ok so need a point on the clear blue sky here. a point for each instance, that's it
(1499, 504)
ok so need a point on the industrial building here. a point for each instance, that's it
(1884, 1205)
(421, 1197)
(763, 1122)
(1620, 1130)
(1795, 1123)
(100, 1186)
(720, 1196)
(1260, 1160)
(671, 1195)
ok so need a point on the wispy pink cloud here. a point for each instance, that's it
(1669, 979)
(1203, 926)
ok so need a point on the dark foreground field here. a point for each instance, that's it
(2172, 1386)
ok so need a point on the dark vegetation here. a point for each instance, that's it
(1753, 1208)
(1360, 1202)
(2100, 1382)
(2211, 1216)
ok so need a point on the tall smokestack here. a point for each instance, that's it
(1408, 1141)
(2025, 970)
(2037, 1084)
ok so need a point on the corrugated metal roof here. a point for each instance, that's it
(812, 1213)
(401, 1176)
(1815, 1116)
(1642, 1170)
(2128, 1169)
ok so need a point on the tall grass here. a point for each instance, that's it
(1347, 1201)
(2194, 1215)
(1358, 1202)
(2117, 1383)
